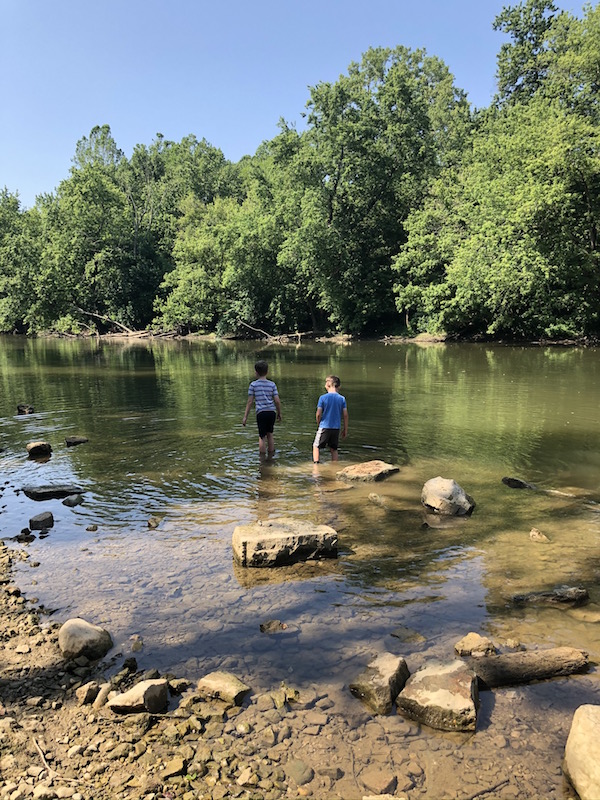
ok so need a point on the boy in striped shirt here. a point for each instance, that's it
(265, 396)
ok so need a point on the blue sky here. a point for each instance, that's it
(225, 71)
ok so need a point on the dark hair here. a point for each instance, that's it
(334, 380)
(261, 368)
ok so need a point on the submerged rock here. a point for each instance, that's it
(517, 483)
(72, 441)
(24, 408)
(49, 492)
(369, 471)
(567, 596)
(42, 522)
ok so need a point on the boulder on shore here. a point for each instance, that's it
(582, 752)
(223, 686)
(369, 471)
(443, 696)
(444, 496)
(151, 696)
(77, 637)
(382, 680)
(282, 541)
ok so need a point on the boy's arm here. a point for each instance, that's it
(247, 411)
(319, 415)
(277, 406)
(345, 428)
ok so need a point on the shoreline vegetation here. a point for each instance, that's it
(398, 207)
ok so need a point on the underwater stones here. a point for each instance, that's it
(369, 471)
(73, 441)
(282, 541)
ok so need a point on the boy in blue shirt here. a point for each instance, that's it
(263, 393)
(331, 410)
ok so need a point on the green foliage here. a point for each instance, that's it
(395, 206)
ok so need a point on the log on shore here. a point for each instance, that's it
(525, 667)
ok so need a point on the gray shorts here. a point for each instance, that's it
(327, 437)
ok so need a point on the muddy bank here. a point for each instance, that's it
(311, 741)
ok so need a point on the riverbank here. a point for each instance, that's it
(317, 742)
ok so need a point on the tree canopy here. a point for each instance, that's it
(396, 208)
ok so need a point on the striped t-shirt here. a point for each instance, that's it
(263, 391)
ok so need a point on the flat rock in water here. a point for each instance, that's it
(566, 596)
(282, 541)
(73, 500)
(369, 471)
(72, 441)
(57, 491)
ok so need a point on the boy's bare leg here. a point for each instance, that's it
(261, 446)
(315, 455)
(271, 444)
(334, 455)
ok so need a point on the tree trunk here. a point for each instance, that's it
(536, 665)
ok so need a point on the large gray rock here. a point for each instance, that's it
(80, 638)
(49, 492)
(445, 496)
(151, 696)
(223, 686)
(369, 471)
(378, 685)
(582, 752)
(443, 696)
(282, 541)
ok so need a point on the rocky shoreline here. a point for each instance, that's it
(56, 742)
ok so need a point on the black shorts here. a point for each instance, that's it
(327, 437)
(265, 421)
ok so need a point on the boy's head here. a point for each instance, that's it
(261, 368)
(332, 381)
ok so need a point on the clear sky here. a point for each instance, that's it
(225, 70)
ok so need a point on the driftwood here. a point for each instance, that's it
(524, 667)
(284, 337)
(105, 319)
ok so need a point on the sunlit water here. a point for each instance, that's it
(166, 441)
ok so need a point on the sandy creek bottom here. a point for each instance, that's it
(176, 590)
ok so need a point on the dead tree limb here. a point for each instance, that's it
(510, 669)
(105, 319)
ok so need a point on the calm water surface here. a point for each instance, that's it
(166, 440)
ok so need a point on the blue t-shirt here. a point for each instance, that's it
(332, 404)
(263, 391)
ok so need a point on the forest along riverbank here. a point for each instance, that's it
(314, 742)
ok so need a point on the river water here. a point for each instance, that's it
(163, 420)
